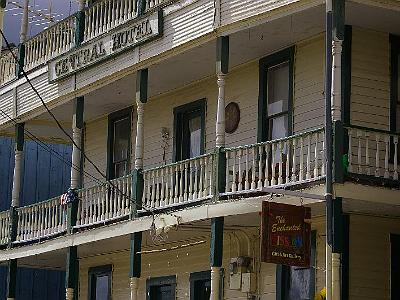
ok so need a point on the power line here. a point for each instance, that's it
(64, 131)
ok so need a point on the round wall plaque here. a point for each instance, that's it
(232, 117)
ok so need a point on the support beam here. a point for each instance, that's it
(71, 273)
(217, 241)
(19, 160)
(11, 279)
(222, 66)
(135, 263)
(141, 99)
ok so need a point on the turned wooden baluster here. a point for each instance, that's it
(387, 140)
(377, 163)
(273, 154)
(240, 186)
(227, 185)
(350, 150)
(367, 163)
(294, 161)
(234, 171)
(359, 135)
(266, 169)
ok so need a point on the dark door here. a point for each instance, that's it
(395, 267)
(202, 289)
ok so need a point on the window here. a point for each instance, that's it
(161, 288)
(394, 267)
(395, 84)
(298, 283)
(200, 285)
(276, 95)
(119, 144)
(189, 122)
(100, 283)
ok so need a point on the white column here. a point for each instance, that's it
(15, 197)
(139, 145)
(336, 94)
(69, 294)
(24, 22)
(134, 285)
(336, 276)
(215, 283)
(328, 273)
(220, 125)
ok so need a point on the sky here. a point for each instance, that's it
(58, 9)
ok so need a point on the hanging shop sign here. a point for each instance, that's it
(130, 35)
(285, 234)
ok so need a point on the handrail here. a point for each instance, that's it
(178, 162)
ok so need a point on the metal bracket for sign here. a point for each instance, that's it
(292, 193)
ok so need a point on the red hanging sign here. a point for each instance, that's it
(285, 234)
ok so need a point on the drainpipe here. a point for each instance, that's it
(329, 145)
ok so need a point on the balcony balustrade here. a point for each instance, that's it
(7, 66)
(4, 227)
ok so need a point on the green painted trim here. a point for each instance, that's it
(282, 274)
(80, 28)
(135, 256)
(142, 83)
(13, 226)
(79, 107)
(141, 5)
(394, 79)
(220, 173)
(345, 277)
(72, 269)
(137, 192)
(93, 273)
(12, 267)
(217, 241)
(264, 64)
(338, 16)
(179, 112)
(3, 3)
(19, 136)
(222, 55)
(21, 60)
(346, 74)
(72, 215)
(337, 226)
(339, 170)
(112, 118)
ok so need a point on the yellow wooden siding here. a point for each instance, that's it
(370, 256)
(308, 108)
(370, 79)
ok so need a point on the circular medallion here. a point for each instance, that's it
(232, 117)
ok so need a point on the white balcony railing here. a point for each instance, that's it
(179, 183)
(41, 220)
(107, 14)
(150, 4)
(373, 152)
(8, 66)
(4, 227)
(106, 202)
(50, 43)
(292, 160)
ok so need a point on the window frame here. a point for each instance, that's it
(283, 272)
(159, 281)
(96, 271)
(179, 113)
(196, 276)
(112, 119)
(286, 55)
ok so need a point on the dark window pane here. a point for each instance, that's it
(299, 284)
(202, 289)
(121, 139)
(121, 169)
(195, 136)
(102, 287)
(278, 88)
(161, 292)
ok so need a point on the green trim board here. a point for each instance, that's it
(72, 270)
(196, 108)
(222, 55)
(135, 265)
(93, 274)
(21, 61)
(12, 267)
(217, 241)
(3, 3)
(164, 282)
(283, 273)
(80, 28)
(19, 136)
(142, 83)
(112, 118)
(137, 192)
(264, 64)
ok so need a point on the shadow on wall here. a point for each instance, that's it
(46, 175)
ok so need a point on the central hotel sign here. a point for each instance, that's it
(114, 42)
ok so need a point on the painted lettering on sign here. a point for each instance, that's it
(285, 234)
(131, 35)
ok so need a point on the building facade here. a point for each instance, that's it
(185, 116)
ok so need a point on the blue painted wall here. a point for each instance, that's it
(45, 176)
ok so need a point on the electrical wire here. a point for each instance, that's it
(64, 131)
